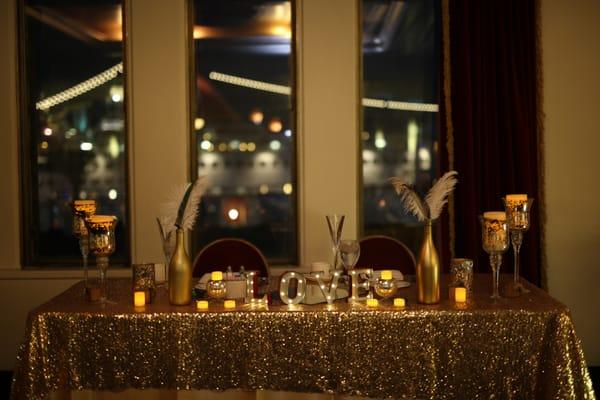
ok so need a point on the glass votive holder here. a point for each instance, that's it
(144, 280)
(461, 273)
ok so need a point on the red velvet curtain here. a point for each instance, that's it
(494, 106)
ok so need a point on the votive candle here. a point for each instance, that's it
(516, 198)
(460, 295)
(399, 302)
(229, 304)
(202, 305)
(386, 275)
(497, 215)
(372, 302)
(139, 299)
(216, 276)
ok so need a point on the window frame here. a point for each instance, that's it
(30, 259)
(193, 164)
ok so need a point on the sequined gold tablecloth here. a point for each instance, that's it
(524, 348)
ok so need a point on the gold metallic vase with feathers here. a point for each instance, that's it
(180, 273)
(428, 269)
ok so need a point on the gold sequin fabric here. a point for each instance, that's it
(522, 348)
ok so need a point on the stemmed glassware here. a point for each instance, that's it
(335, 223)
(168, 246)
(349, 253)
(102, 244)
(517, 212)
(494, 237)
(82, 210)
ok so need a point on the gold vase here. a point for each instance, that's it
(428, 270)
(180, 273)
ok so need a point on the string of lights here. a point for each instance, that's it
(112, 73)
(280, 89)
(80, 88)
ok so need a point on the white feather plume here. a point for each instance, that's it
(437, 196)
(432, 207)
(410, 199)
(170, 207)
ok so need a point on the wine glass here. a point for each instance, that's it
(349, 253)
(517, 212)
(494, 237)
(83, 209)
(102, 244)
(335, 223)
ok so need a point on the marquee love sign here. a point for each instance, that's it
(360, 279)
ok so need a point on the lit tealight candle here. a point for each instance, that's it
(202, 305)
(229, 304)
(139, 299)
(516, 198)
(216, 276)
(372, 302)
(399, 302)
(460, 295)
(386, 275)
(497, 215)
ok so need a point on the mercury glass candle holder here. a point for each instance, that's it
(517, 215)
(494, 237)
(144, 280)
(216, 289)
(461, 272)
(385, 288)
(102, 244)
(82, 210)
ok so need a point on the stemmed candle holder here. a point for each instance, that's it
(517, 212)
(494, 237)
(335, 223)
(82, 210)
(102, 244)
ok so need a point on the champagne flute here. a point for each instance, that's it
(494, 237)
(82, 210)
(517, 212)
(335, 223)
(349, 253)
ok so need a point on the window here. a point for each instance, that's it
(243, 135)
(73, 123)
(400, 48)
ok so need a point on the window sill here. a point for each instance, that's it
(45, 274)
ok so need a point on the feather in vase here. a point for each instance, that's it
(439, 192)
(437, 197)
(181, 207)
(410, 199)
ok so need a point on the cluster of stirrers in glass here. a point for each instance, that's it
(496, 227)
(96, 234)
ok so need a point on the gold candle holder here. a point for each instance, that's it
(82, 210)
(494, 237)
(102, 244)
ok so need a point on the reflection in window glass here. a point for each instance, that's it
(243, 129)
(74, 124)
(400, 47)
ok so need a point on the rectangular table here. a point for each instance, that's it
(521, 348)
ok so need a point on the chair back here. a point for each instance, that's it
(383, 252)
(222, 253)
